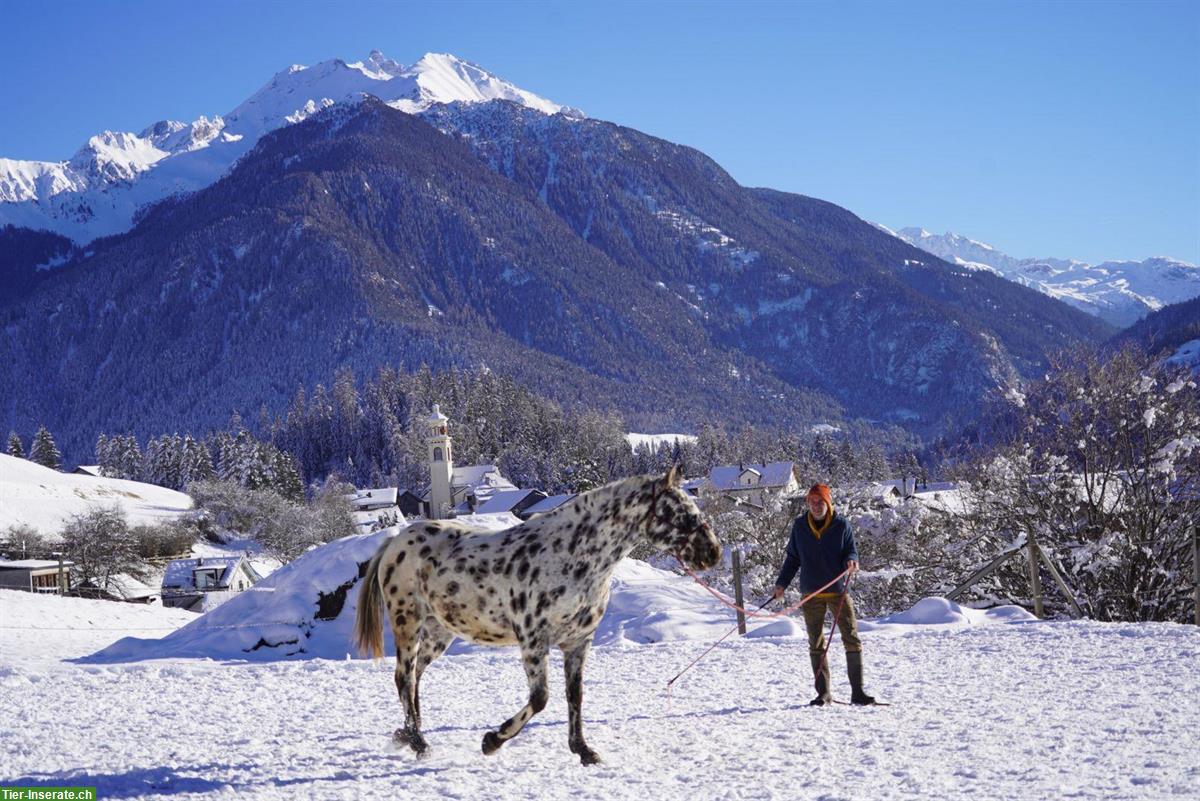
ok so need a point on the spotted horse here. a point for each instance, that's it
(539, 584)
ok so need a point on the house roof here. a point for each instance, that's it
(88, 470)
(181, 573)
(368, 498)
(482, 480)
(503, 501)
(549, 504)
(479, 476)
(31, 564)
(936, 486)
(775, 474)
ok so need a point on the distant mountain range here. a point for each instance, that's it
(100, 190)
(351, 218)
(1119, 292)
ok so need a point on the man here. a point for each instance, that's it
(821, 547)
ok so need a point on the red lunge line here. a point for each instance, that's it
(717, 595)
(757, 612)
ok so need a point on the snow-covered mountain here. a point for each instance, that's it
(100, 189)
(1120, 292)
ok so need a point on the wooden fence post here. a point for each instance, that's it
(1035, 579)
(737, 590)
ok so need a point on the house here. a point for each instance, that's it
(752, 483)
(874, 494)
(410, 504)
(88, 470)
(204, 582)
(515, 502)
(373, 509)
(35, 575)
(548, 504)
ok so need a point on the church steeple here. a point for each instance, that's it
(441, 465)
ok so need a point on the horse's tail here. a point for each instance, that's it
(368, 627)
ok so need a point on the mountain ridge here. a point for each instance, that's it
(1119, 292)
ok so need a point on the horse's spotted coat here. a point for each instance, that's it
(540, 584)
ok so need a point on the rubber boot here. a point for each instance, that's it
(820, 667)
(854, 669)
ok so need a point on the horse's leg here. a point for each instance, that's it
(574, 656)
(533, 654)
(407, 635)
(434, 639)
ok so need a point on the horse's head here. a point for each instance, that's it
(675, 524)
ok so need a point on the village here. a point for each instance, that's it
(479, 493)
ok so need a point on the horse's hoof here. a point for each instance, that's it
(491, 743)
(413, 740)
(588, 757)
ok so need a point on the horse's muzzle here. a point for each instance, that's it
(704, 549)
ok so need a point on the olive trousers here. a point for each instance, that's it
(814, 621)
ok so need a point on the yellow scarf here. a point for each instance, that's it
(819, 530)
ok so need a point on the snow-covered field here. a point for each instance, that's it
(44, 498)
(986, 705)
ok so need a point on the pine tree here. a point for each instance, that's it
(43, 451)
(15, 448)
(102, 454)
(128, 458)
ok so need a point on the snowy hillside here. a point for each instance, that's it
(1188, 355)
(99, 190)
(1013, 710)
(1120, 292)
(43, 498)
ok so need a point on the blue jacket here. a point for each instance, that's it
(818, 560)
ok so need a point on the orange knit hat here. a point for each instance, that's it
(822, 491)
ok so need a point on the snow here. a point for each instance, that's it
(45, 499)
(100, 189)
(1187, 355)
(653, 441)
(1014, 709)
(1120, 292)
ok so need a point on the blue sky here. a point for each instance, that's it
(1047, 129)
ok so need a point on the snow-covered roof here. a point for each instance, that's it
(181, 573)
(775, 474)
(549, 504)
(88, 470)
(936, 486)
(31, 564)
(370, 498)
(479, 475)
(503, 501)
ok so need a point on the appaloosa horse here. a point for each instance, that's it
(542, 583)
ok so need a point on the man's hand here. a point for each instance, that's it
(777, 593)
(852, 566)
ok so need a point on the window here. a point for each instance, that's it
(437, 454)
(207, 579)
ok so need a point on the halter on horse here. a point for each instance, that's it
(542, 583)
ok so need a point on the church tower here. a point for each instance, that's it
(441, 465)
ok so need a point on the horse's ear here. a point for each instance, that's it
(672, 479)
